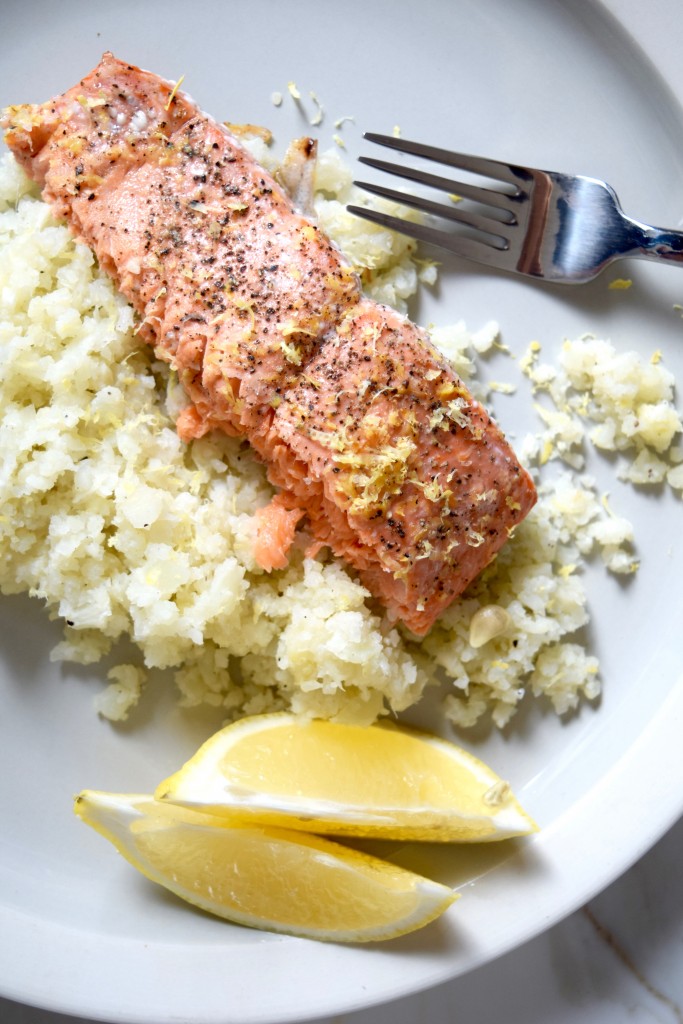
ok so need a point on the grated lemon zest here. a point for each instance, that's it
(291, 353)
(173, 93)
(546, 451)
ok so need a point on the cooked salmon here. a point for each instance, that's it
(362, 424)
(275, 529)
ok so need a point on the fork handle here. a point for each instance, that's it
(655, 243)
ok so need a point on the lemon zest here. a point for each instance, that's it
(173, 92)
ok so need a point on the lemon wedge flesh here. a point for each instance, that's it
(265, 877)
(380, 781)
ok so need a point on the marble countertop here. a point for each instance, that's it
(617, 959)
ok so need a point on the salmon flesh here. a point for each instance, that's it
(362, 424)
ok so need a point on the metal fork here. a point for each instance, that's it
(559, 227)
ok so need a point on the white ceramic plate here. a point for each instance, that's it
(554, 84)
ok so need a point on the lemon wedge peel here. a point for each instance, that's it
(265, 877)
(383, 781)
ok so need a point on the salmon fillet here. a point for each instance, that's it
(361, 423)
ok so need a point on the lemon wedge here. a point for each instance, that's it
(381, 781)
(265, 877)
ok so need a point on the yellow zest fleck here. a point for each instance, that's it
(340, 120)
(293, 91)
(374, 429)
(656, 357)
(426, 548)
(173, 92)
(620, 284)
(449, 390)
(513, 505)
(502, 387)
(291, 353)
(334, 439)
(372, 477)
(343, 281)
(566, 570)
(454, 197)
(396, 132)
(497, 663)
(73, 143)
(293, 328)
(435, 492)
(244, 305)
(400, 574)
(339, 141)
(453, 411)
(546, 451)
(489, 495)
(530, 356)
(227, 391)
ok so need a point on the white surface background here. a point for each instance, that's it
(617, 960)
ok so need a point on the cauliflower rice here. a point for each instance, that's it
(124, 531)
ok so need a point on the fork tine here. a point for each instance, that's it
(478, 221)
(480, 251)
(489, 197)
(509, 173)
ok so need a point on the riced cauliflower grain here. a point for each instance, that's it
(620, 401)
(122, 694)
